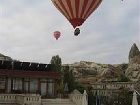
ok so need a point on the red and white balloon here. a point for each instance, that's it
(76, 11)
(57, 34)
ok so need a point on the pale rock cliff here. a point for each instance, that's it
(88, 72)
(133, 70)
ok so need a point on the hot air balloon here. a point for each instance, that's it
(57, 34)
(76, 11)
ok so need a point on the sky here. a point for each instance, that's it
(27, 26)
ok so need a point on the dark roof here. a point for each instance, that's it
(27, 66)
(27, 69)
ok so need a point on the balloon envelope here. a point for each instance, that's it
(57, 34)
(76, 11)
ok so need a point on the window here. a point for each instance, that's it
(50, 87)
(33, 85)
(2, 83)
(26, 86)
(43, 89)
(17, 84)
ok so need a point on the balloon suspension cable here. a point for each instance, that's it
(77, 32)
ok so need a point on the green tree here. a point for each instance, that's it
(80, 87)
(57, 66)
(69, 79)
(123, 78)
(56, 60)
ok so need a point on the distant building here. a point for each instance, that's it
(109, 88)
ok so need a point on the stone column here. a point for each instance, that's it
(39, 87)
(6, 84)
(11, 84)
(29, 85)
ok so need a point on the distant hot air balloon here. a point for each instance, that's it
(76, 11)
(57, 34)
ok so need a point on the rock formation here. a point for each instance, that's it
(88, 72)
(133, 70)
(134, 55)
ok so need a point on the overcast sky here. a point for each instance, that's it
(27, 26)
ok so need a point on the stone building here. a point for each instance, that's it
(28, 77)
(109, 88)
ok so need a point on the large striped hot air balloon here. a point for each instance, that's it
(76, 11)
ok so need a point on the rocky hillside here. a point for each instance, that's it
(88, 72)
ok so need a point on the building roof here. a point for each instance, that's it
(27, 69)
(29, 74)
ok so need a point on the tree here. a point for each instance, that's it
(57, 66)
(123, 78)
(69, 79)
(56, 60)
(80, 87)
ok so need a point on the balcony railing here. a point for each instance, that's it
(21, 99)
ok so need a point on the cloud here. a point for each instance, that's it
(27, 26)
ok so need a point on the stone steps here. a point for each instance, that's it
(56, 102)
